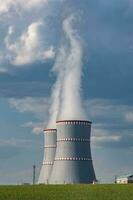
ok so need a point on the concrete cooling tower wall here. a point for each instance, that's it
(73, 161)
(49, 155)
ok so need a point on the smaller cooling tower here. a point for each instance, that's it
(49, 155)
(73, 161)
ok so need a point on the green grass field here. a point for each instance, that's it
(67, 192)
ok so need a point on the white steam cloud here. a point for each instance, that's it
(66, 100)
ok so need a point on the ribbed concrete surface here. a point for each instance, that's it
(73, 161)
(49, 155)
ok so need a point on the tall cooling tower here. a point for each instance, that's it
(49, 155)
(73, 161)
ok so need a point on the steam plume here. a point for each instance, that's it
(66, 101)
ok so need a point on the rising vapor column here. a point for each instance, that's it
(73, 161)
(49, 155)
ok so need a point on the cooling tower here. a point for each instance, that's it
(49, 155)
(73, 161)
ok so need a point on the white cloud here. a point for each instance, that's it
(37, 128)
(34, 3)
(37, 106)
(101, 137)
(13, 142)
(7, 5)
(106, 109)
(1, 56)
(96, 140)
(29, 46)
(49, 54)
(109, 126)
(129, 116)
(3, 70)
(24, 35)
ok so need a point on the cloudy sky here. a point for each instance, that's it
(31, 35)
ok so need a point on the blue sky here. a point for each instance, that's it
(30, 38)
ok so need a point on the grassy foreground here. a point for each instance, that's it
(67, 192)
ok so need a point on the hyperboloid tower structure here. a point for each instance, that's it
(73, 161)
(49, 155)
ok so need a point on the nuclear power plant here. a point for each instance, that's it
(67, 154)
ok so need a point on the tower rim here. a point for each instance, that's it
(86, 121)
(50, 129)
